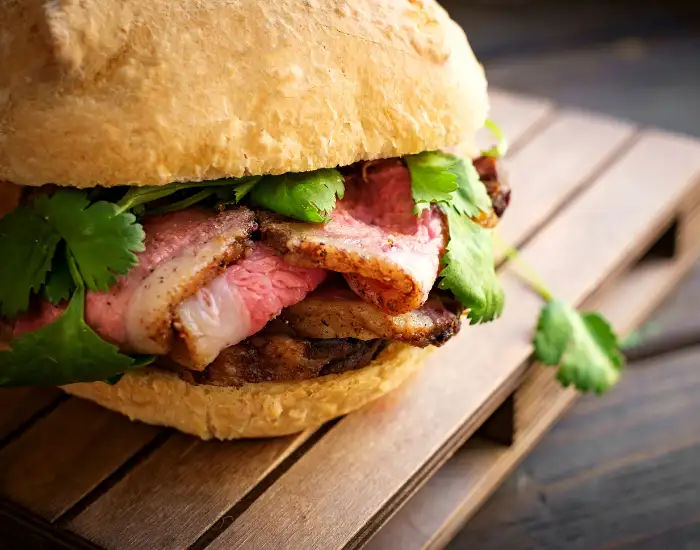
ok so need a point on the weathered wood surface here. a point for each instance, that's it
(616, 489)
(66, 454)
(166, 501)
(20, 405)
(141, 487)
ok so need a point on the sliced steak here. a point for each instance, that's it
(184, 251)
(271, 356)
(39, 315)
(388, 255)
(333, 311)
(239, 303)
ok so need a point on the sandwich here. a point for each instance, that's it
(239, 219)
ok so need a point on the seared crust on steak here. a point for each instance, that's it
(333, 311)
(276, 356)
(184, 250)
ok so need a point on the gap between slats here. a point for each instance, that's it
(22, 407)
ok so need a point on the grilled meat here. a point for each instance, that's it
(333, 311)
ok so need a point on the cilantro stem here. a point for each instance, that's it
(73, 268)
(523, 269)
(184, 203)
(501, 148)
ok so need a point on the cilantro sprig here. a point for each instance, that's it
(65, 244)
(468, 265)
(304, 196)
(102, 241)
(137, 197)
(64, 351)
(469, 270)
(501, 146)
(27, 246)
(581, 345)
(438, 177)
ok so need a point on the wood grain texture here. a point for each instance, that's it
(416, 428)
(64, 456)
(520, 117)
(435, 514)
(19, 405)
(556, 163)
(631, 483)
(179, 491)
(619, 217)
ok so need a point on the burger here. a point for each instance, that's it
(239, 219)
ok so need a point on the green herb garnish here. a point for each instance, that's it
(64, 351)
(307, 196)
(468, 272)
(583, 345)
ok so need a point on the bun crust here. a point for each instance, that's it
(264, 409)
(135, 92)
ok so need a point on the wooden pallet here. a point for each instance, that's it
(591, 196)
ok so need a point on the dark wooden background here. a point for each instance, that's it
(622, 471)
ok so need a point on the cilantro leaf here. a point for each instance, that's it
(62, 352)
(469, 270)
(501, 148)
(432, 178)
(59, 284)
(101, 240)
(27, 246)
(308, 196)
(243, 189)
(471, 198)
(438, 177)
(582, 344)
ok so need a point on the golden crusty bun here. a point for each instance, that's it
(147, 92)
(264, 409)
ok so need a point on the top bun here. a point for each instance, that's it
(147, 92)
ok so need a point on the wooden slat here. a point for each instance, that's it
(555, 164)
(141, 520)
(171, 498)
(346, 496)
(57, 461)
(434, 515)
(518, 116)
(19, 405)
(620, 472)
(482, 462)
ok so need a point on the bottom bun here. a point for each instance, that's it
(264, 409)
